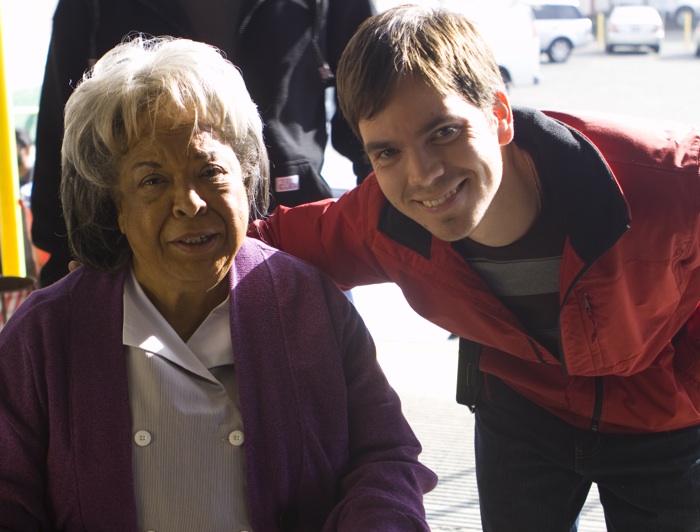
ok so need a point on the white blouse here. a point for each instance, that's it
(188, 439)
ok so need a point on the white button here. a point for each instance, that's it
(142, 438)
(236, 438)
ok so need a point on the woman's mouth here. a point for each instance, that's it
(194, 241)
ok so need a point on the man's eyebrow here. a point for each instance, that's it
(377, 146)
(435, 122)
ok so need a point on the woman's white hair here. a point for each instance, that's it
(139, 82)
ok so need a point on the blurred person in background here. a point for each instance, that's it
(287, 52)
(187, 377)
(25, 170)
(25, 156)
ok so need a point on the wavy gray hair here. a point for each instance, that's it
(136, 83)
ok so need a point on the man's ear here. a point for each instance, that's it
(503, 115)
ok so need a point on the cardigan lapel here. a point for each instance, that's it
(99, 396)
(271, 418)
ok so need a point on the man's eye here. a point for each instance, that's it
(446, 132)
(385, 154)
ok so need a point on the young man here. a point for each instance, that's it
(562, 249)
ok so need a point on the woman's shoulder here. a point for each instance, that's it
(84, 290)
(267, 265)
(254, 252)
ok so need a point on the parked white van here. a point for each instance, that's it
(507, 25)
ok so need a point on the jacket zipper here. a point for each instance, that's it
(598, 401)
(598, 405)
(534, 347)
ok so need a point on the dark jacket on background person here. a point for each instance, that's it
(326, 445)
(629, 283)
(280, 47)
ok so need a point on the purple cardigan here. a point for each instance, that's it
(327, 447)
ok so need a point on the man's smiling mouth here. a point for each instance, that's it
(437, 202)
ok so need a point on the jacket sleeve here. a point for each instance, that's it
(336, 236)
(23, 427)
(344, 17)
(66, 62)
(384, 484)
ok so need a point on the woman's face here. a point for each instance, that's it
(183, 207)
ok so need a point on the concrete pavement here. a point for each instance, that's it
(421, 364)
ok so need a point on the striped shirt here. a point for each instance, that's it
(525, 275)
(188, 440)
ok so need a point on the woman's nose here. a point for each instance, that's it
(188, 202)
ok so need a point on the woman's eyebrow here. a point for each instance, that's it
(145, 164)
(210, 155)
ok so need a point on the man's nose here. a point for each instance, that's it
(424, 166)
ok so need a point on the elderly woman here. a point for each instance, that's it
(187, 378)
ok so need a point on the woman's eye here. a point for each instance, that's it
(213, 172)
(151, 180)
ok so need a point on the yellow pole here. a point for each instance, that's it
(687, 29)
(600, 29)
(11, 230)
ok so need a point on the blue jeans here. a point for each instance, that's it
(534, 471)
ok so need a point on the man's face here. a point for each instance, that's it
(438, 158)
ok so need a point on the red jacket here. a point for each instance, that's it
(629, 279)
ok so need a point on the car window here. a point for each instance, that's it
(635, 14)
(548, 11)
(569, 12)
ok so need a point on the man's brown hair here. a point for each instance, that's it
(443, 48)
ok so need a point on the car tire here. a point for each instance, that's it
(656, 48)
(560, 50)
(697, 51)
(609, 48)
